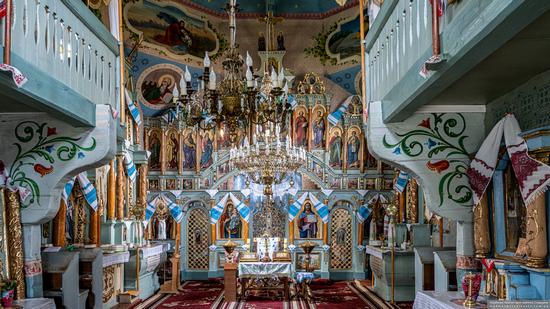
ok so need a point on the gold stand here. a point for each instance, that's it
(15, 242)
(469, 302)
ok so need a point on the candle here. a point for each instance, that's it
(249, 62)
(249, 78)
(212, 80)
(206, 60)
(175, 94)
(281, 77)
(285, 88)
(274, 81)
(187, 74)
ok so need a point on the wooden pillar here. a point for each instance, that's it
(325, 233)
(360, 233)
(213, 226)
(402, 208)
(344, 149)
(142, 187)
(363, 55)
(58, 234)
(482, 243)
(440, 224)
(120, 196)
(309, 127)
(94, 230)
(291, 232)
(122, 107)
(111, 191)
(536, 233)
(245, 224)
(15, 242)
(230, 282)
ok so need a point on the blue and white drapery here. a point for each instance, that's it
(151, 207)
(216, 212)
(401, 182)
(130, 166)
(364, 211)
(244, 211)
(322, 209)
(296, 206)
(335, 116)
(292, 101)
(90, 193)
(134, 111)
(174, 208)
(67, 190)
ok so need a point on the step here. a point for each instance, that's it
(522, 292)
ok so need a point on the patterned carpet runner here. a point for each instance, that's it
(326, 295)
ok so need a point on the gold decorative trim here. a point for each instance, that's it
(108, 283)
(15, 241)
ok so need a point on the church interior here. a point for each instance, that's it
(387, 154)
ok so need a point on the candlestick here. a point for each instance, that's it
(281, 79)
(212, 80)
(183, 86)
(249, 62)
(206, 60)
(187, 74)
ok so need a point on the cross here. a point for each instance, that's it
(270, 22)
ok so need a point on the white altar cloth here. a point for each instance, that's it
(35, 303)
(255, 269)
(442, 300)
(115, 258)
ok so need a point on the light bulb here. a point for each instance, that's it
(249, 62)
(183, 86)
(212, 80)
(281, 77)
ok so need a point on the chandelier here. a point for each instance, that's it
(268, 160)
(239, 100)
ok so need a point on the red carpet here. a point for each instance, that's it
(337, 294)
(194, 294)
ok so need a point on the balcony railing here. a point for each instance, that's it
(63, 39)
(402, 38)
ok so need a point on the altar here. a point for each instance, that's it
(265, 276)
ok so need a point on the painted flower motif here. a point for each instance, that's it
(425, 123)
(52, 131)
(430, 143)
(397, 150)
(81, 155)
(49, 148)
(438, 166)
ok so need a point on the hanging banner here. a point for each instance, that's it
(130, 166)
(67, 190)
(134, 111)
(337, 115)
(90, 194)
(401, 182)
(363, 212)
(151, 208)
(174, 208)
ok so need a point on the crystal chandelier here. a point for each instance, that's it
(239, 100)
(268, 160)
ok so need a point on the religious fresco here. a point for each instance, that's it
(308, 223)
(301, 126)
(154, 145)
(155, 85)
(170, 30)
(189, 148)
(230, 224)
(172, 150)
(353, 149)
(319, 127)
(207, 149)
(336, 145)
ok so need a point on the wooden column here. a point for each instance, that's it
(344, 149)
(482, 243)
(230, 281)
(142, 187)
(402, 208)
(363, 55)
(360, 233)
(15, 242)
(58, 233)
(120, 196)
(309, 127)
(536, 233)
(325, 233)
(111, 191)
(213, 226)
(245, 224)
(94, 230)
(291, 232)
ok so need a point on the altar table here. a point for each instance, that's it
(265, 276)
(443, 300)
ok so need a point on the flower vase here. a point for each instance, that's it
(471, 292)
(7, 298)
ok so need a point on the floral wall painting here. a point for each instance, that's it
(170, 30)
(300, 126)
(319, 127)
(189, 148)
(154, 147)
(172, 149)
(336, 148)
(155, 85)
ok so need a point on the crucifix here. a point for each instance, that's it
(270, 22)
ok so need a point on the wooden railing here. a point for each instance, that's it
(401, 35)
(63, 39)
